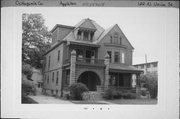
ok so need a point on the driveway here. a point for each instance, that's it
(43, 99)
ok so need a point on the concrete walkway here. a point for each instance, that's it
(43, 99)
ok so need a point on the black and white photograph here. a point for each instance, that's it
(90, 62)
(117, 60)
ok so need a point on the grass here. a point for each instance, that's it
(87, 102)
(133, 101)
(28, 100)
(119, 101)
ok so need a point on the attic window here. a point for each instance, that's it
(79, 35)
(120, 40)
(85, 35)
(92, 34)
(116, 38)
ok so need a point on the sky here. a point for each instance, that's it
(145, 28)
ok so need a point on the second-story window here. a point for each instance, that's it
(53, 77)
(57, 77)
(58, 55)
(122, 57)
(116, 57)
(110, 55)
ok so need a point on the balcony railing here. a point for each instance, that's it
(90, 61)
(87, 61)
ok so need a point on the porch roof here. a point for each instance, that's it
(124, 69)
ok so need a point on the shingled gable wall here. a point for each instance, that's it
(106, 40)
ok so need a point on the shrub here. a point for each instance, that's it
(143, 92)
(109, 93)
(76, 91)
(150, 82)
(28, 88)
(112, 93)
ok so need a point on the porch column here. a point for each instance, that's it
(133, 80)
(106, 62)
(73, 67)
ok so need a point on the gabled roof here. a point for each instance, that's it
(99, 32)
(85, 23)
(88, 24)
(108, 30)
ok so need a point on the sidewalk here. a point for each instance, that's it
(43, 99)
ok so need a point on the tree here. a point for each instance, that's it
(150, 82)
(35, 39)
(27, 70)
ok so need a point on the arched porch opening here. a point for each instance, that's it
(90, 79)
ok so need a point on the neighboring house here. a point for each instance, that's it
(37, 78)
(87, 53)
(150, 67)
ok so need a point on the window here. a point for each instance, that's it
(86, 35)
(49, 62)
(109, 53)
(57, 77)
(67, 77)
(53, 77)
(116, 57)
(79, 35)
(148, 65)
(155, 64)
(123, 57)
(79, 53)
(111, 39)
(142, 66)
(120, 40)
(58, 55)
(116, 38)
(92, 34)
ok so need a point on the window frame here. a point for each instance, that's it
(116, 53)
(122, 57)
(58, 55)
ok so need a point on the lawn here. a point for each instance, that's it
(28, 100)
(133, 101)
(87, 102)
(119, 101)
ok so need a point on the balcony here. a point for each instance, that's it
(90, 61)
(87, 61)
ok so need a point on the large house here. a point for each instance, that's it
(150, 67)
(87, 53)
